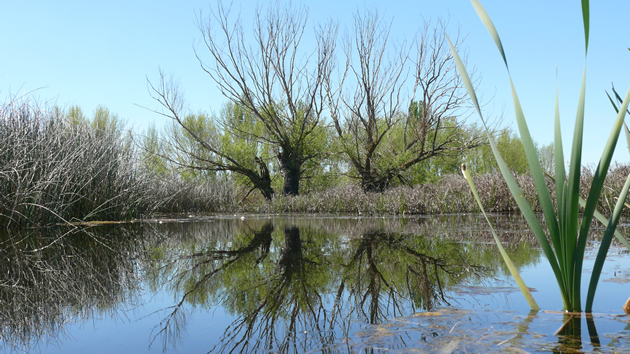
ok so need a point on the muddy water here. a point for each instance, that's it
(295, 284)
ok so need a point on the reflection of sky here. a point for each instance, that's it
(611, 294)
(131, 331)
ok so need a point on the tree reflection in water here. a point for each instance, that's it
(292, 285)
(300, 288)
(386, 270)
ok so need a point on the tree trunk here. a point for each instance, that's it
(291, 253)
(291, 182)
(262, 182)
(291, 173)
(376, 184)
(267, 192)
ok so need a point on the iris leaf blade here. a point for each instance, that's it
(506, 258)
(524, 206)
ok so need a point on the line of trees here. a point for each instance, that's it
(61, 166)
(301, 107)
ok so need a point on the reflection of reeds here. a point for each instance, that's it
(74, 275)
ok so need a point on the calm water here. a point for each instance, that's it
(281, 284)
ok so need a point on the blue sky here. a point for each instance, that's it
(101, 53)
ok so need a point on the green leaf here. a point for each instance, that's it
(483, 15)
(605, 245)
(598, 183)
(573, 266)
(604, 222)
(528, 144)
(558, 152)
(586, 19)
(506, 258)
(524, 206)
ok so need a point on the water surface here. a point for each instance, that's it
(295, 284)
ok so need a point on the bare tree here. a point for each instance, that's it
(198, 147)
(382, 132)
(272, 77)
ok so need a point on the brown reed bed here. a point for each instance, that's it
(449, 195)
(172, 195)
(53, 169)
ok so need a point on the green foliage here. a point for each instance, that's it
(75, 115)
(399, 158)
(243, 140)
(192, 163)
(479, 160)
(153, 160)
(431, 170)
(238, 145)
(325, 172)
(104, 121)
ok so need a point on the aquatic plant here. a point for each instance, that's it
(568, 233)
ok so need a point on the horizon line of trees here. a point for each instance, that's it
(59, 166)
(299, 118)
(173, 151)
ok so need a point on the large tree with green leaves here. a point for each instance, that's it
(275, 82)
(197, 143)
(384, 131)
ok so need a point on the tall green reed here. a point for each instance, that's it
(568, 233)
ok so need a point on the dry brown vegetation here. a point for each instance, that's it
(451, 194)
